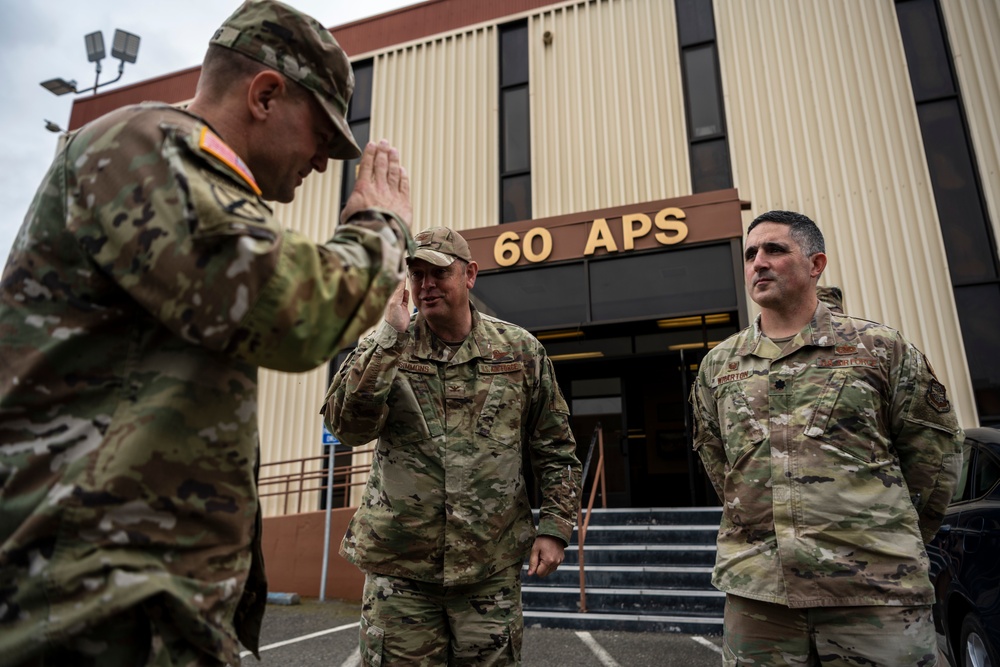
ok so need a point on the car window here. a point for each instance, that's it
(987, 473)
(963, 485)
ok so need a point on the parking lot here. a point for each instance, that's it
(317, 633)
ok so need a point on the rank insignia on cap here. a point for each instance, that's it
(937, 397)
(213, 145)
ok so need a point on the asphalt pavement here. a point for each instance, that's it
(315, 633)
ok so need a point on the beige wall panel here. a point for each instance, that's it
(437, 102)
(290, 425)
(607, 116)
(822, 121)
(974, 33)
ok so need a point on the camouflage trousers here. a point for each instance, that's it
(131, 639)
(763, 634)
(417, 624)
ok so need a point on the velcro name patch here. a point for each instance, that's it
(411, 367)
(510, 367)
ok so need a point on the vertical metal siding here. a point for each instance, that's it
(289, 403)
(607, 115)
(822, 120)
(974, 32)
(437, 102)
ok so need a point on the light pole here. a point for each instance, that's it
(124, 47)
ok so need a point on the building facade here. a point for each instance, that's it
(604, 157)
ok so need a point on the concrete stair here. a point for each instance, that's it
(646, 570)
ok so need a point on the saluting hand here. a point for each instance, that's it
(382, 183)
(397, 310)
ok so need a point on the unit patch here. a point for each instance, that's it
(937, 397)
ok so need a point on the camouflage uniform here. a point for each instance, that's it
(148, 283)
(835, 460)
(446, 501)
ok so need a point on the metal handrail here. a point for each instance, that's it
(300, 478)
(582, 523)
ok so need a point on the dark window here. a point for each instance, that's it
(515, 122)
(628, 287)
(695, 22)
(704, 107)
(710, 165)
(513, 54)
(958, 194)
(979, 315)
(966, 232)
(545, 297)
(662, 284)
(359, 113)
(920, 27)
(516, 197)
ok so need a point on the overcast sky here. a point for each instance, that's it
(41, 40)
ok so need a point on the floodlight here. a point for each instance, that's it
(125, 46)
(95, 46)
(59, 86)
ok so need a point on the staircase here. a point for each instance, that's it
(646, 570)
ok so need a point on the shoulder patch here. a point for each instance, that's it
(937, 397)
(211, 143)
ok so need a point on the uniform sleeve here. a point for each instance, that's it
(355, 408)
(925, 436)
(191, 243)
(552, 449)
(707, 436)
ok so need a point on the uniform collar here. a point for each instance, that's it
(426, 345)
(819, 332)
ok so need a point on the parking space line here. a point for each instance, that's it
(302, 638)
(353, 660)
(597, 650)
(707, 644)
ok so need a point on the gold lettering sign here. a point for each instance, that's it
(536, 246)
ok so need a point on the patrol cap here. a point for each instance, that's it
(440, 246)
(296, 45)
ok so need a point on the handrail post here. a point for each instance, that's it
(583, 523)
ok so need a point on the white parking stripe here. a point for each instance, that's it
(302, 638)
(597, 650)
(353, 660)
(707, 644)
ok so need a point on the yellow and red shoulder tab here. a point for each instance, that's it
(213, 145)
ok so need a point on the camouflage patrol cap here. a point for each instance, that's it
(440, 246)
(296, 45)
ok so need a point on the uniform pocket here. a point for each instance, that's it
(500, 418)
(372, 643)
(741, 431)
(846, 417)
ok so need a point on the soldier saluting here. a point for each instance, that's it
(455, 398)
(148, 283)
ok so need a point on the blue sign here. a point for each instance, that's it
(329, 438)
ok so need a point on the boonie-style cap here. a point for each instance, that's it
(440, 246)
(296, 45)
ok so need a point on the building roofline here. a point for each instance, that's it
(398, 26)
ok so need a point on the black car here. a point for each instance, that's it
(965, 558)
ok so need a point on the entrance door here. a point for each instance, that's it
(596, 401)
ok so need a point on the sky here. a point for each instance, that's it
(45, 40)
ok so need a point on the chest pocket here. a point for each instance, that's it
(501, 416)
(412, 413)
(741, 431)
(848, 415)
